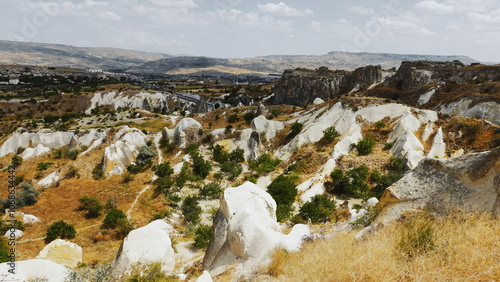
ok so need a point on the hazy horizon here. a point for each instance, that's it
(238, 29)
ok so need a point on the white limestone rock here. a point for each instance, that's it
(35, 152)
(62, 252)
(204, 277)
(34, 269)
(470, 182)
(246, 230)
(49, 180)
(146, 245)
(124, 150)
(17, 233)
(265, 127)
(438, 149)
(485, 110)
(318, 101)
(17, 139)
(141, 100)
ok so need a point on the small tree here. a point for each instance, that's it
(61, 230)
(296, 128)
(319, 209)
(283, 190)
(98, 173)
(163, 170)
(43, 165)
(201, 167)
(219, 154)
(330, 134)
(203, 235)
(115, 218)
(211, 191)
(91, 205)
(365, 146)
(17, 160)
(191, 209)
(237, 155)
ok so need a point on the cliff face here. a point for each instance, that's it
(301, 86)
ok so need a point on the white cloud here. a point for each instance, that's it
(365, 11)
(110, 16)
(283, 9)
(402, 27)
(316, 26)
(492, 17)
(175, 3)
(433, 8)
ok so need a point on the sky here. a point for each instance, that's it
(239, 29)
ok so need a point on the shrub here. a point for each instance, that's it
(61, 230)
(18, 179)
(219, 154)
(248, 117)
(43, 165)
(4, 250)
(145, 155)
(379, 124)
(352, 183)
(264, 164)
(207, 138)
(98, 173)
(233, 169)
(396, 164)
(164, 143)
(71, 172)
(127, 177)
(365, 146)
(233, 118)
(26, 196)
(330, 134)
(115, 218)
(135, 168)
(163, 185)
(163, 170)
(20, 150)
(211, 191)
(58, 153)
(283, 190)
(203, 235)
(91, 205)
(162, 214)
(319, 209)
(388, 146)
(228, 129)
(296, 129)
(237, 155)
(17, 160)
(72, 155)
(201, 167)
(366, 219)
(382, 181)
(191, 209)
(183, 176)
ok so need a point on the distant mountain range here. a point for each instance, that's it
(158, 63)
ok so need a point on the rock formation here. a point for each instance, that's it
(301, 87)
(184, 133)
(32, 269)
(146, 245)
(470, 182)
(246, 230)
(62, 252)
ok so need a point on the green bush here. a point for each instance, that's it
(203, 235)
(71, 172)
(98, 173)
(58, 153)
(381, 181)
(233, 169)
(115, 218)
(352, 183)
(72, 155)
(43, 165)
(233, 118)
(91, 205)
(396, 164)
(283, 190)
(319, 209)
(183, 176)
(379, 124)
(127, 177)
(17, 160)
(191, 210)
(330, 134)
(365, 146)
(211, 191)
(145, 155)
(164, 185)
(163, 170)
(135, 168)
(219, 154)
(388, 146)
(264, 164)
(201, 167)
(61, 230)
(237, 155)
(4, 250)
(248, 117)
(296, 129)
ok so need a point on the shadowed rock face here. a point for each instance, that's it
(467, 182)
(301, 86)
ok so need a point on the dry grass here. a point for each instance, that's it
(467, 248)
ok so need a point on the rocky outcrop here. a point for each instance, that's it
(470, 182)
(62, 252)
(467, 108)
(246, 230)
(124, 150)
(141, 100)
(33, 270)
(146, 245)
(49, 180)
(301, 87)
(184, 133)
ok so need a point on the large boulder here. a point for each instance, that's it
(468, 182)
(184, 133)
(124, 150)
(246, 230)
(265, 127)
(33, 269)
(146, 245)
(62, 252)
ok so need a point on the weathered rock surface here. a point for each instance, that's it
(124, 150)
(34, 269)
(301, 87)
(184, 133)
(469, 182)
(62, 252)
(141, 100)
(246, 230)
(146, 245)
(466, 108)
(49, 180)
